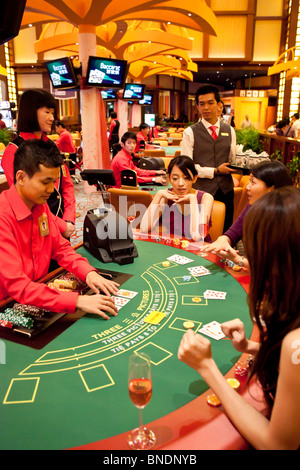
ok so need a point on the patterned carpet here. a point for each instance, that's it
(84, 202)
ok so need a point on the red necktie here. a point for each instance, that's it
(213, 132)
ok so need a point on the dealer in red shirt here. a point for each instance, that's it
(29, 238)
(65, 140)
(123, 161)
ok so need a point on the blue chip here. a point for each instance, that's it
(187, 278)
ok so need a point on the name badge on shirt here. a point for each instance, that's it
(64, 170)
(43, 225)
(224, 133)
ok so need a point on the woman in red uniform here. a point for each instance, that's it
(35, 118)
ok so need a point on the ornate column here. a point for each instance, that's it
(95, 144)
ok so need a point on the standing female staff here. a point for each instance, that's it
(35, 118)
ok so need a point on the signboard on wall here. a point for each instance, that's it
(253, 93)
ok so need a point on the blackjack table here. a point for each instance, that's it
(67, 387)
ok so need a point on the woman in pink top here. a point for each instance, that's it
(186, 212)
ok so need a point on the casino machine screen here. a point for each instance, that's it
(105, 72)
(60, 73)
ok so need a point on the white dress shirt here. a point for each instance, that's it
(187, 147)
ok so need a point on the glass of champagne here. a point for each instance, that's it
(131, 214)
(140, 391)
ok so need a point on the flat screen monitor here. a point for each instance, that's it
(61, 73)
(106, 73)
(147, 100)
(150, 119)
(108, 95)
(133, 91)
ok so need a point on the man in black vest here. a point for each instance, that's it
(211, 144)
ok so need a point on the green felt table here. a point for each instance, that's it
(73, 390)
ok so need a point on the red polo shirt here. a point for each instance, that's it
(25, 255)
(65, 142)
(123, 161)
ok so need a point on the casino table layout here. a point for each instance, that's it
(71, 392)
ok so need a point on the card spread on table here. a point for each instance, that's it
(119, 301)
(199, 271)
(214, 294)
(154, 317)
(179, 259)
(129, 294)
(213, 330)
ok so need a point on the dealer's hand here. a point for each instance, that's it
(99, 284)
(69, 230)
(99, 304)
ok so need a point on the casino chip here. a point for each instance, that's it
(236, 267)
(166, 263)
(213, 400)
(184, 243)
(234, 383)
(188, 325)
(197, 300)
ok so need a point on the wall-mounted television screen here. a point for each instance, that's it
(61, 73)
(147, 100)
(133, 91)
(106, 73)
(109, 95)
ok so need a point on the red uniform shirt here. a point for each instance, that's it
(140, 137)
(25, 255)
(123, 161)
(65, 142)
(67, 187)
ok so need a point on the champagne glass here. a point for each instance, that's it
(140, 391)
(131, 214)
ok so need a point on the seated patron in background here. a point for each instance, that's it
(181, 210)
(65, 140)
(264, 177)
(281, 128)
(123, 161)
(29, 239)
(143, 138)
(272, 233)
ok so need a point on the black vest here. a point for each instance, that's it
(212, 153)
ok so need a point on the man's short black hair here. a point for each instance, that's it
(128, 135)
(205, 89)
(60, 123)
(35, 152)
(144, 126)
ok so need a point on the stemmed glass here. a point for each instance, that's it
(140, 391)
(131, 214)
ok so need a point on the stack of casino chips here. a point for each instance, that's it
(16, 318)
(28, 310)
(67, 283)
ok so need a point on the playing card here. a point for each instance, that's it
(119, 301)
(214, 294)
(213, 330)
(129, 294)
(180, 259)
(198, 271)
